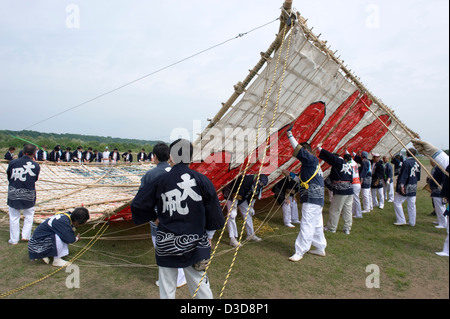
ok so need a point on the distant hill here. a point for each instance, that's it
(73, 141)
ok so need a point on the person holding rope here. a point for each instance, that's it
(377, 181)
(437, 199)
(285, 191)
(342, 178)
(356, 185)
(189, 212)
(239, 197)
(161, 151)
(406, 189)
(312, 197)
(53, 236)
(442, 160)
(388, 181)
(365, 174)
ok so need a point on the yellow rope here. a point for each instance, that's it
(265, 151)
(246, 168)
(78, 255)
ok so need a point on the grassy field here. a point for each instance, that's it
(122, 263)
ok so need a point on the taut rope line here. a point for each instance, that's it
(264, 156)
(245, 170)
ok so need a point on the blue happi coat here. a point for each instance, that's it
(315, 192)
(22, 175)
(43, 243)
(408, 177)
(365, 171)
(341, 173)
(187, 206)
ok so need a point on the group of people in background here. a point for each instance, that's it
(350, 176)
(82, 156)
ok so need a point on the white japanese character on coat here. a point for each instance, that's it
(172, 200)
(22, 172)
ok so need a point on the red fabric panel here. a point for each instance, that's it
(304, 126)
(368, 137)
(333, 120)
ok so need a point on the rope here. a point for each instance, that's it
(100, 232)
(264, 156)
(403, 144)
(243, 174)
(148, 75)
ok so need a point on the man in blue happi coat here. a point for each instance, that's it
(406, 189)
(22, 174)
(188, 211)
(52, 237)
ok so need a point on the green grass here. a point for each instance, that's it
(119, 269)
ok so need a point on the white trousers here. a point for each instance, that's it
(232, 227)
(62, 248)
(439, 208)
(14, 224)
(181, 277)
(311, 230)
(290, 211)
(388, 188)
(411, 205)
(356, 210)
(168, 283)
(445, 249)
(341, 204)
(366, 199)
(375, 202)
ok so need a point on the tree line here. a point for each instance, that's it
(7, 139)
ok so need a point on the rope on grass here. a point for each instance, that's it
(100, 232)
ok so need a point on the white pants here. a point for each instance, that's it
(168, 283)
(290, 211)
(181, 277)
(311, 230)
(62, 248)
(14, 224)
(445, 249)
(356, 202)
(411, 205)
(439, 208)
(232, 227)
(388, 188)
(375, 202)
(341, 204)
(366, 199)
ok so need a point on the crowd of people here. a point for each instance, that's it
(79, 155)
(183, 208)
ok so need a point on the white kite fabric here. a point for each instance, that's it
(106, 190)
(313, 79)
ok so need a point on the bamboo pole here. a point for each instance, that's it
(322, 46)
(41, 211)
(403, 144)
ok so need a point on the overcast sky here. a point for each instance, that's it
(56, 54)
